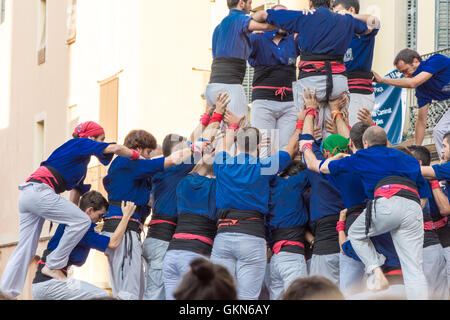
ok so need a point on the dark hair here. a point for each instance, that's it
(95, 200)
(206, 281)
(375, 136)
(357, 132)
(407, 56)
(140, 139)
(404, 150)
(447, 137)
(313, 288)
(321, 3)
(233, 3)
(347, 4)
(421, 153)
(170, 142)
(246, 139)
(294, 168)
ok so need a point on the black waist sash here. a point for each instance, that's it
(289, 239)
(40, 277)
(326, 238)
(110, 225)
(430, 237)
(162, 227)
(228, 70)
(352, 214)
(194, 233)
(274, 83)
(241, 221)
(391, 180)
(327, 69)
(360, 81)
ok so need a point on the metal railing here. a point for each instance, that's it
(435, 112)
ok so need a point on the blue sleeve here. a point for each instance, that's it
(442, 171)
(360, 27)
(97, 241)
(349, 251)
(342, 166)
(284, 19)
(436, 63)
(94, 148)
(422, 101)
(146, 168)
(245, 23)
(424, 187)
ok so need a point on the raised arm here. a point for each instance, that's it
(128, 209)
(408, 83)
(440, 198)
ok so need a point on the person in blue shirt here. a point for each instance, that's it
(39, 200)
(274, 57)
(46, 288)
(358, 62)
(231, 47)
(324, 37)
(431, 79)
(394, 180)
(287, 220)
(164, 205)
(242, 200)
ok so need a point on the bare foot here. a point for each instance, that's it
(55, 274)
(381, 283)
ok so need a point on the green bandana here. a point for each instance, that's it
(336, 144)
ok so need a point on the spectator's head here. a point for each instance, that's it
(319, 3)
(95, 205)
(351, 6)
(356, 135)
(206, 281)
(334, 145)
(141, 141)
(374, 136)
(407, 62)
(313, 288)
(248, 140)
(244, 5)
(173, 142)
(421, 153)
(279, 7)
(445, 153)
(294, 168)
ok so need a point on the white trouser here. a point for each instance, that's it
(274, 119)
(357, 102)
(403, 218)
(126, 267)
(439, 131)
(285, 268)
(154, 251)
(37, 203)
(70, 289)
(434, 267)
(326, 265)
(238, 100)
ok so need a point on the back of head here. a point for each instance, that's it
(421, 154)
(356, 134)
(93, 199)
(321, 3)
(407, 56)
(336, 144)
(232, 4)
(347, 4)
(375, 136)
(248, 139)
(170, 142)
(447, 137)
(140, 139)
(313, 288)
(294, 168)
(206, 281)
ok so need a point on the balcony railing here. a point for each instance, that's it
(435, 112)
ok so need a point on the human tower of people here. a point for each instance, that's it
(306, 185)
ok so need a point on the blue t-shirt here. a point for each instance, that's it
(72, 159)
(196, 194)
(326, 200)
(128, 180)
(231, 38)
(164, 189)
(286, 204)
(243, 181)
(91, 240)
(321, 33)
(438, 86)
(359, 55)
(266, 53)
(442, 171)
(378, 162)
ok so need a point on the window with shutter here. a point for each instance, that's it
(248, 83)
(42, 31)
(411, 24)
(71, 21)
(442, 24)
